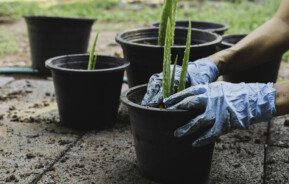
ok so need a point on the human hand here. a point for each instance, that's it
(199, 72)
(227, 107)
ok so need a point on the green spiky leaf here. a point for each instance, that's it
(92, 55)
(168, 12)
(167, 61)
(182, 84)
(173, 76)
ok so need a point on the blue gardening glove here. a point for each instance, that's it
(227, 107)
(199, 72)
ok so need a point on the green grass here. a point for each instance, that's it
(240, 15)
(8, 44)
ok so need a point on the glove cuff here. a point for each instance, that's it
(207, 71)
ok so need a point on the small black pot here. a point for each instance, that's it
(267, 72)
(162, 157)
(55, 36)
(87, 99)
(206, 26)
(146, 57)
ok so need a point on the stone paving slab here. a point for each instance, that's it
(29, 141)
(277, 165)
(279, 131)
(34, 148)
(239, 156)
(109, 157)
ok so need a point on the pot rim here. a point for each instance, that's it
(51, 66)
(55, 18)
(120, 40)
(127, 102)
(232, 36)
(223, 27)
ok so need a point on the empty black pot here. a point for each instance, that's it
(146, 57)
(162, 157)
(207, 26)
(55, 36)
(267, 72)
(87, 99)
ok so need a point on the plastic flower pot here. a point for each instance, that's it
(87, 99)
(162, 157)
(207, 26)
(267, 72)
(146, 57)
(55, 36)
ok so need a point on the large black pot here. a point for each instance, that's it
(146, 57)
(207, 26)
(87, 99)
(55, 36)
(162, 157)
(267, 72)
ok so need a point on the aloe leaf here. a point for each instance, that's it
(173, 18)
(166, 13)
(92, 56)
(173, 76)
(182, 84)
(167, 61)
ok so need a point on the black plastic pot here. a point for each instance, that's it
(55, 36)
(87, 99)
(146, 57)
(267, 72)
(206, 26)
(162, 157)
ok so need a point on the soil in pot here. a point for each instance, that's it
(162, 157)
(267, 72)
(55, 36)
(87, 99)
(146, 57)
(206, 26)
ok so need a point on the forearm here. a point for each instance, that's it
(282, 99)
(269, 41)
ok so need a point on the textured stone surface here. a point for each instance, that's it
(30, 139)
(279, 132)
(277, 165)
(35, 148)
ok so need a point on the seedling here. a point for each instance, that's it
(93, 55)
(168, 76)
(182, 84)
(169, 12)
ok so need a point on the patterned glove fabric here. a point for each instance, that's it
(199, 72)
(227, 107)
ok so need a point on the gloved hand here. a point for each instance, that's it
(199, 72)
(227, 107)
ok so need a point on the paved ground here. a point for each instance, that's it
(35, 148)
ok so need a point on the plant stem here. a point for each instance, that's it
(167, 61)
(92, 56)
(168, 12)
(183, 76)
(173, 76)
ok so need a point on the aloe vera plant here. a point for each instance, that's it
(168, 75)
(182, 84)
(168, 12)
(93, 55)
(167, 61)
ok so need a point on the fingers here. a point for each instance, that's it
(192, 102)
(153, 96)
(196, 124)
(209, 137)
(191, 91)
